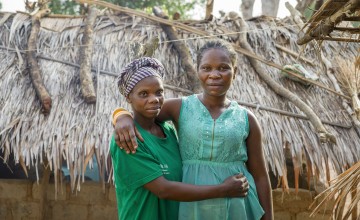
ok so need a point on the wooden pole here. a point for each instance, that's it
(43, 190)
(35, 72)
(209, 9)
(86, 49)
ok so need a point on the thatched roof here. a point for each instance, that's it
(74, 130)
(332, 22)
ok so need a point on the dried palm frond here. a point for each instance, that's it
(349, 79)
(344, 185)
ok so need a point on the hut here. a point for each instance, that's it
(48, 123)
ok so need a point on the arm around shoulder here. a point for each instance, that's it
(170, 110)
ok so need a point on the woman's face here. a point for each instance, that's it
(147, 97)
(216, 72)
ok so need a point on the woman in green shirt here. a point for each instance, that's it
(148, 181)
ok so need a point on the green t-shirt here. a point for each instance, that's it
(154, 157)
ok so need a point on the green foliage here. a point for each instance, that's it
(64, 7)
(0, 6)
(168, 6)
(309, 11)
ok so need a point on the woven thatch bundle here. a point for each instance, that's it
(349, 79)
(74, 130)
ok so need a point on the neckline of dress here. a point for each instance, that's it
(150, 134)
(208, 112)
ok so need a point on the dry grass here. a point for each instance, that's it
(345, 186)
(348, 77)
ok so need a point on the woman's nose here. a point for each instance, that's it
(154, 99)
(214, 74)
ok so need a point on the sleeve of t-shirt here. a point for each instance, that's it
(134, 170)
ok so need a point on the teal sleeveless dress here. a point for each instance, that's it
(213, 150)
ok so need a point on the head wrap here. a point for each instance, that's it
(137, 70)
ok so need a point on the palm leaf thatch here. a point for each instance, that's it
(345, 186)
(75, 132)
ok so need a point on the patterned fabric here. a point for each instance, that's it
(213, 150)
(137, 70)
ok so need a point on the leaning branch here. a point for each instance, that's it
(35, 73)
(182, 50)
(86, 49)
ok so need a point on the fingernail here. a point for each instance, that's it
(127, 152)
(133, 151)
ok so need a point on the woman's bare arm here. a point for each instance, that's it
(257, 167)
(233, 186)
(125, 131)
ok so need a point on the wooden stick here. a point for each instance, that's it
(209, 9)
(144, 15)
(340, 39)
(294, 54)
(87, 85)
(347, 29)
(182, 50)
(65, 16)
(35, 72)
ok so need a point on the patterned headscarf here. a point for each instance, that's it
(137, 70)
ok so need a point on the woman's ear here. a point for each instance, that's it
(235, 72)
(128, 99)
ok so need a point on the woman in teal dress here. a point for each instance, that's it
(217, 138)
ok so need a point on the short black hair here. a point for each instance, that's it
(217, 44)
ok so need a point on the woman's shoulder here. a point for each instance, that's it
(239, 107)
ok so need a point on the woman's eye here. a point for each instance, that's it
(205, 68)
(142, 94)
(223, 68)
(160, 92)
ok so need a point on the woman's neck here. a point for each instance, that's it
(150, 126)
(214, 101)
(145, 123)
